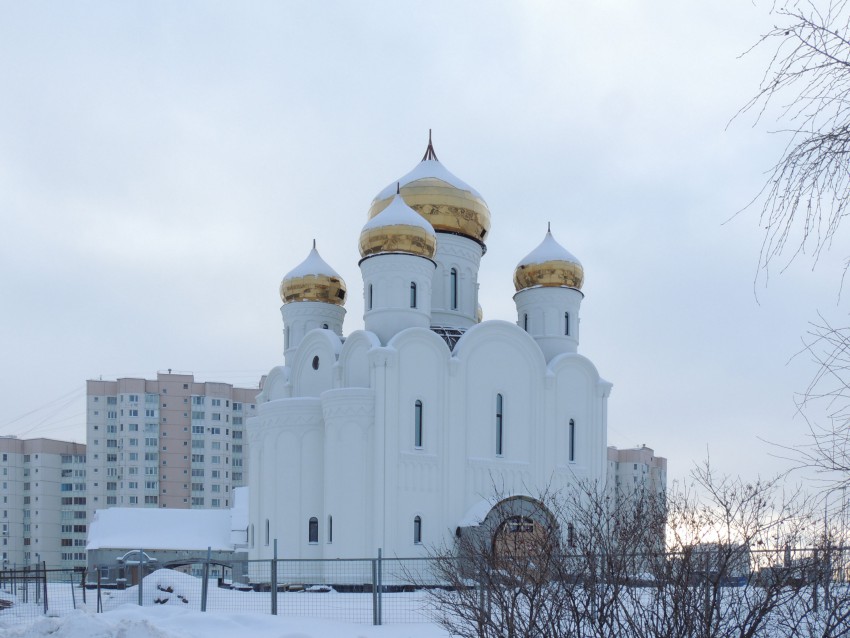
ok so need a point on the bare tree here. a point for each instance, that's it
(722, 557)
(806, 86)
(806, 196)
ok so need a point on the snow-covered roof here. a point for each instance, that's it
(476, 514)
(399, 214)
(425, 169)
(158, 528)
(548, 250)
(313, 265)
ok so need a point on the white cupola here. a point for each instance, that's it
(313, 296)
(397, 247)
(548, 283)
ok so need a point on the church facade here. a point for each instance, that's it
(400, 435)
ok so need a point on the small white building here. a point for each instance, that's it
(120, 537)
(399, 435)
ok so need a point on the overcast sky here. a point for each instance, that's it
(164, 164)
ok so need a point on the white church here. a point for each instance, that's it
(394, 436)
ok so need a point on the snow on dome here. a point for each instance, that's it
(448, 203)
(550, 264)
(313, 280)
(398, 229)
(313, 265)
(427, 169)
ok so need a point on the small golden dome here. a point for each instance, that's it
(449, 204)
(313, 280)
(549, 265)
(398, 229)
(479, 314)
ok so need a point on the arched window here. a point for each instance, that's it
(412, 294)
(417, 530)
(572, 442)
(330, 528)
(567, 324)
(324, 326)
(313, 530)
(525, 322)
(499, 425)
(417, 424)
(453, 286)
(369, 301)
(268, 532)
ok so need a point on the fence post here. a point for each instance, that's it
(206, 582)
(83, 584)
(44, 573)
(99, 598)
(380, 587)
(141, 577)
(274, 580)
(375, 592)
(73, 594)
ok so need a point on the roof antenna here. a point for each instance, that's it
(429, 152)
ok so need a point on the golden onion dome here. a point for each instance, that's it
(398, 229)
(479, 313)
(313, 280)
(449, 204)
(549, 265)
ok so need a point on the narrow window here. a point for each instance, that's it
(370, 296)
(252, 534)
(412, 294)
(453, 284)
(525, 322)
(417, 424)
(286, 338)
(572, 440)
(571, 535)
(499, 428)
(267, 531)
(567, 324)
(330, 529)
(313, 530)
(417, 530)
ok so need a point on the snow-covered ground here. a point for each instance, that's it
(171, 610)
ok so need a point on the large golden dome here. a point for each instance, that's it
(549, 265)
(398, 229)
(313, 280)
(449, 204)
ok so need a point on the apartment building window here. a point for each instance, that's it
(198, 400)
(149, 500)
(216, 416)
(216, 402)
(237, 407)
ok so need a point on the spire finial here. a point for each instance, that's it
(429, 152)
(398, 188)
(548, 227)
(314, 243)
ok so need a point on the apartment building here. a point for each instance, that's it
(166, 442)
(43, 515)
(635, 469)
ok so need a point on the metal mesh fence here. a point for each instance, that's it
(376, 590)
